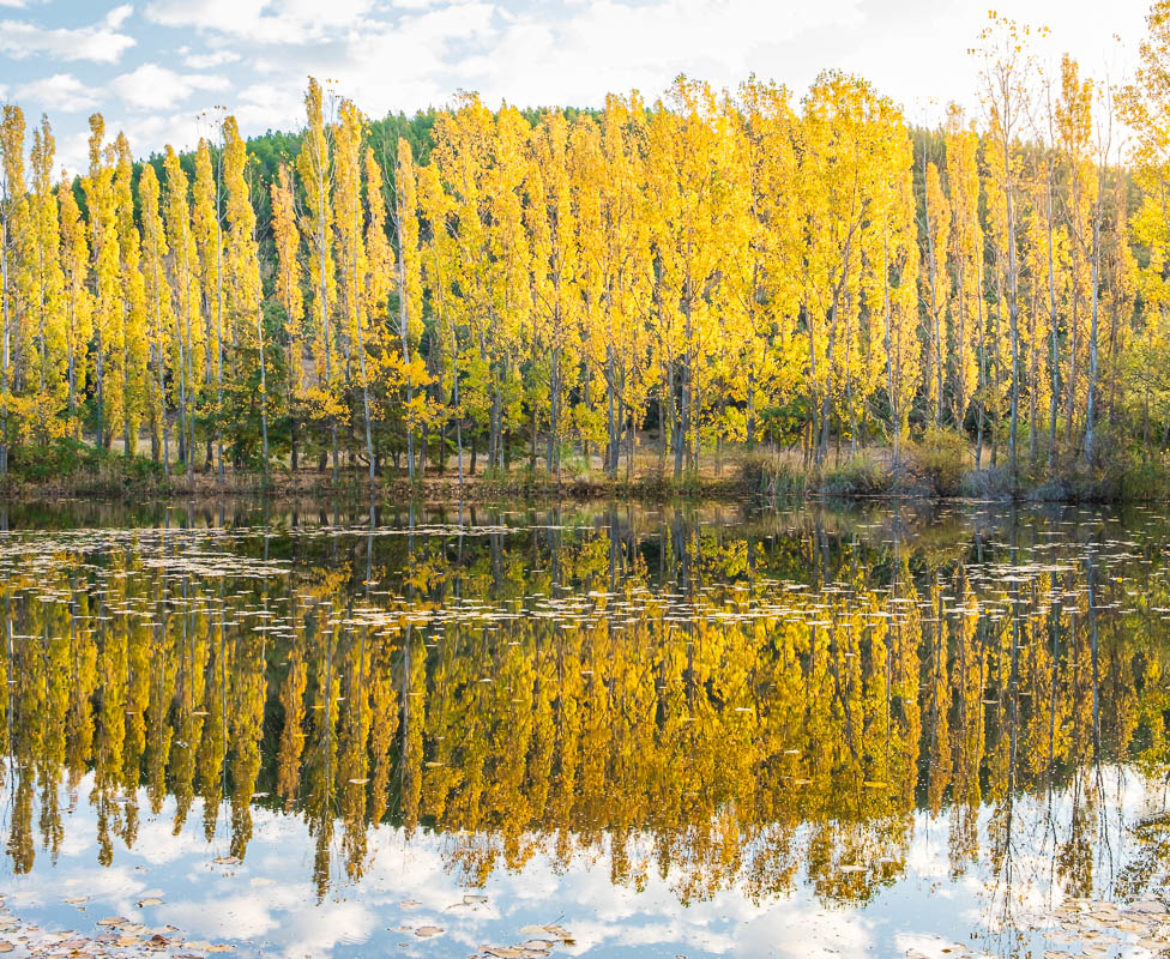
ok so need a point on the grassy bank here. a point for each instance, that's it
(942, 465)
(68, 469)
(938, 465)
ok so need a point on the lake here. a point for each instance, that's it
(585, 730)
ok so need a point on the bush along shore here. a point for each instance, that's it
(940, 464)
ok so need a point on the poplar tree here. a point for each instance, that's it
(158, 297)
(314, 164)
(185, 281)
(12, 230)
(289, 295)
(78, 304)
(207, 228)
(242, 259)
(98, 187)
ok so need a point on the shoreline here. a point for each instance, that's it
(445, 491)
(875, 474)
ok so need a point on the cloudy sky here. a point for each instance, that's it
(152, 66)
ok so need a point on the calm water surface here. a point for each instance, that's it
(695, 732)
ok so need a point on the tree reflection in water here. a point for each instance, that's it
(722, 700)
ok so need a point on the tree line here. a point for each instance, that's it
(714, 268)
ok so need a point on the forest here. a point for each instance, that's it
(646, 286)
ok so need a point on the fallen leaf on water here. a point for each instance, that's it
(149, 901)
(425, 932)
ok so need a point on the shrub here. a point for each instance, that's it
(1147, 479)
(773, 476)
(989, 483)
(1056, 490)
(61, 458)
(861, 475)
(941, 459)
(66, 462)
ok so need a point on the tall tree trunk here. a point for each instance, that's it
(1054, 327)
(404, 332)
(219, 411)
(161, 354)
(932, 280)
(6, 360)
(893, 365)
(611, 449)
(1091, 399)
(680, 422)
(263, 391)
(1013, 313)
(99, 389)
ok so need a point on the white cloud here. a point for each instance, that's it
(118, 15)
(406, 66)
(204, 14)
(265, 106)
(152, 87)
(61, 91)
(73, 150)
(100, 42)
(610, 46)
(149, 132)
(262, 21)
(254, 55)
(208, 61)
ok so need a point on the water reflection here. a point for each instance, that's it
(698, 698)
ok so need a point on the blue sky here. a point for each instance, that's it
(153, 66)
